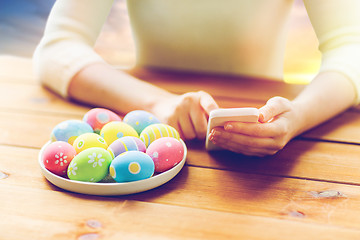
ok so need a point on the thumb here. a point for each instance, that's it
(273, 107)
(207, 102)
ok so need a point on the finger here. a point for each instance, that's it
(246, 150)
(261, 130)
(174, 123)
(207, 102)
(272, 108)
(225, 138)
(199, 122)
(187, 127)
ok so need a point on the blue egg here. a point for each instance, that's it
(132, 166)
(140, 119)
(69, 130)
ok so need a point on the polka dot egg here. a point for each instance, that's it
(115, 130)
(89, 140)
(156, 131)
(104, 148)
(98, 117)
(132, 166)
(140, 119)
(57, 157)
(166, 153)
(124, 144)
(69, 130)
(90, 165)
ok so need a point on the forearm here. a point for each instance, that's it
(329, 94)
(102, 85)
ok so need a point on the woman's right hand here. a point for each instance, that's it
(188, 113)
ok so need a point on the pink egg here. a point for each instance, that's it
(57, 157)
(166, 152)
(98, 117)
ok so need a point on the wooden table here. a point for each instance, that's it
(310, 190)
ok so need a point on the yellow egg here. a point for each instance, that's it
(115, 130)
(156, 131)
(89, 140)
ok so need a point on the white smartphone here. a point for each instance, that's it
(219, 117)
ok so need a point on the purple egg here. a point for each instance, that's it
(124, 144)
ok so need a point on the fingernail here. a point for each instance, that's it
(229, 127)
(261, 117)
(211, 137)
(216, 133)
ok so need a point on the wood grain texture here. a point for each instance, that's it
(212, 189)
(309, 190)
(304, 159)
(128, 219)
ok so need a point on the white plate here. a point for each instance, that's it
(107, 189)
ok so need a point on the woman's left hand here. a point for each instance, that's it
(276, 127)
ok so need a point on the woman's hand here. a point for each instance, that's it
(276, 126)
(188, 113)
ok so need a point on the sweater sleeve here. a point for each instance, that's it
(337, 26)
(67, 44)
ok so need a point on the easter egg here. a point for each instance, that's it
(131, 166)
(89, 140)
(140, 119)
(166, 153)
(57, 157)
(98, 117)
(90, 165)
(69, 130)
(124, 144)
(156, 131)
(115, 130)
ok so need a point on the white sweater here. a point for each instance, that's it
(231, 36)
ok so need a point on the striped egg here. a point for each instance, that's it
(124, 144)
(156, 131)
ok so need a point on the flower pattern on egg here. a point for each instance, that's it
(96, 160)
(73, 168)
(60, 159)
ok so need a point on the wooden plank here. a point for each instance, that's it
(343, 128)
(212, 189)
(117, 219)
(254, 88)
(304, 159)
(29, 130)
(24, 97)
(178, 82)
(16, 69)
(27, 98)
(34, 98)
